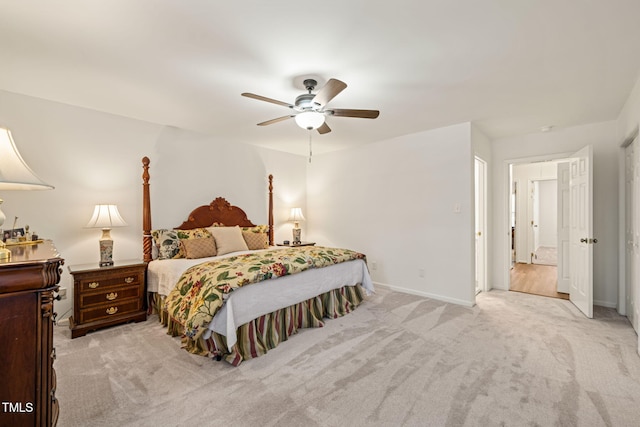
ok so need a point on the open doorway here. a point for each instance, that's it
(537, 200)
(578, 210)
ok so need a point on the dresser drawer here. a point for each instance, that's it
(93, 283)
(110, 310)
(112, 295)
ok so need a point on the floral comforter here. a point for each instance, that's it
(203, 288)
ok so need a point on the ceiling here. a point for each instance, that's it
(511, 67)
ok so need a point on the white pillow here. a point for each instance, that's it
(228, 239)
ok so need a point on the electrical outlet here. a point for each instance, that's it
(62, 293)
(421, 272)
(374, 265)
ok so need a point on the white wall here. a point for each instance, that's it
(548, 205)
(394, 201)
(92, 157)
(629, 117)
(602, 136)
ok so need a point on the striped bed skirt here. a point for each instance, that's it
(266, 332)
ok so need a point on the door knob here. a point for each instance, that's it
(583, 240)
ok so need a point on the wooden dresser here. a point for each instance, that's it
(106, 296)
(28, 281)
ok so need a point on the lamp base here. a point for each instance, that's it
(2, 215)
(296, 236)
(4, 253)
(106, 250)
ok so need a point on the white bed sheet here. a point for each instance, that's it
(252, 301)
(162, 275)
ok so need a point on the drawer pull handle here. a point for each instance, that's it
(129, 280)
(112, 310)
(94, 285)
(112, 296)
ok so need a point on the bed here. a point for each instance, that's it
(251, 318)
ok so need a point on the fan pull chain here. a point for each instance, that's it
(310, 151)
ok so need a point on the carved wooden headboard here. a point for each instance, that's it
(219, 210)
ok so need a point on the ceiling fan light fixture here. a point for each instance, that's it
(309, 119)
(309, 108)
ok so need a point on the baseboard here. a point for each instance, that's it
(64, 321)
(606, 304)
(425, 294)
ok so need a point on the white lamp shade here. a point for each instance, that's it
(296, 215)
(106, 216)
(14, 172)
(309, 119)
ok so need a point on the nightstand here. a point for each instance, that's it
(293, 245)
(106, 296)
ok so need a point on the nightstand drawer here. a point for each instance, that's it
(110, 310)
(112, 295)
(97, 282)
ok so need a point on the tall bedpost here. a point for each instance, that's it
(146, 211)
(270, 210)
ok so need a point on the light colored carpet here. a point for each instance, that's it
(546, 255)
(398, 360)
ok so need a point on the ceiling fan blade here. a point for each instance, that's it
(324, 128)
(272, 121)
(329, 91)
(363, 114)
(264, 98)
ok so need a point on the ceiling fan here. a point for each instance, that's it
(310, 108)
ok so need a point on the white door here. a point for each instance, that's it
(629, 235)
(636, 238)
(535, 220)
(480, 214)
(632, 233)
(581, 238)
(563, 228)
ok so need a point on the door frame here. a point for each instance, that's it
(564, 228)
(622, 203)
(483, 226)
(507, 203)
(533, 207)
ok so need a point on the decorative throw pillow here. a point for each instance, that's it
(228, 239)
(257, 229)
(198, 247)
(255, 240)
(196, 233)
(167, 243)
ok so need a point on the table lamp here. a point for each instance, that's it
(15, 174)
(106, 217)
(296, 216)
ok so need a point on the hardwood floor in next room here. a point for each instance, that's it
(535, 279)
